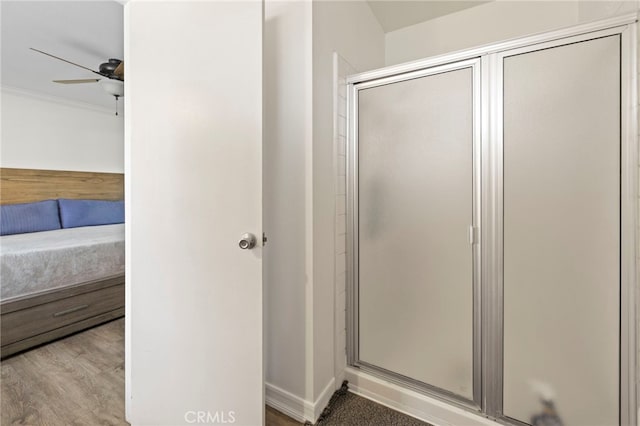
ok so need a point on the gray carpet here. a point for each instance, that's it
(348, 409)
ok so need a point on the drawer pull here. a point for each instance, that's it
(68, 311)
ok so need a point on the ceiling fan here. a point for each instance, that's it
(112, 73)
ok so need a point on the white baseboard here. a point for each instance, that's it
(296, 407)
(412, 403)
(285, 402)
(323, 399)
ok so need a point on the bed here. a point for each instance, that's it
(61, 281)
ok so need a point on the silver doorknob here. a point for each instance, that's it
(247, 241)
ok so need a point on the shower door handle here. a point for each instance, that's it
(473, 235)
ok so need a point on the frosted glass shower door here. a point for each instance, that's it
(416, 204)
(562, 232)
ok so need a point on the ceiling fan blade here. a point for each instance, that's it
(119, 71)
(78, 81)
(64, 60)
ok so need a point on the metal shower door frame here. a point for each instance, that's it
(352, 231)
(487, 64)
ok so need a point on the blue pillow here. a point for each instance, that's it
(29, 217)
(74, 213)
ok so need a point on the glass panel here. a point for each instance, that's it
(561, 233)
(415, 208)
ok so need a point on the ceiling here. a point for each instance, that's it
(85, 32)
(397, 14)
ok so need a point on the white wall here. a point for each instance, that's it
(41, 132)
(350, 29)
(493, 22)
(287, 144)
(487, 23)
(299, 191)
(593, 10)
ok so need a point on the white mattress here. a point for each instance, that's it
(40, 261)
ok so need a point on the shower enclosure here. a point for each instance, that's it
(492, 218)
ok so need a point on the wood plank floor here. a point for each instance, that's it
(276, 418)
(78, 380)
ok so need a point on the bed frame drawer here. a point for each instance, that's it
(48, 315)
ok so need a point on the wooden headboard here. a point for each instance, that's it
(28, 185)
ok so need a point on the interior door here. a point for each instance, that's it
(193, 129)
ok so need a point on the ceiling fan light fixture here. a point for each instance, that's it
(113, 87)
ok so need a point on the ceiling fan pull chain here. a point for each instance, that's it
(116, 104)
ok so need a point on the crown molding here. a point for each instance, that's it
(55, 99)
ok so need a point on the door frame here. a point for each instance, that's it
(488, 377)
